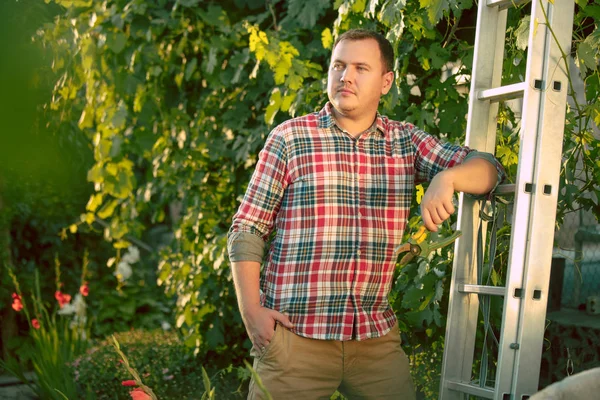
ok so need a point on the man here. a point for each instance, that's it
(336, 186)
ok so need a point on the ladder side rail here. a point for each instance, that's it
(463, 309)
(545, 197)
(521, 230)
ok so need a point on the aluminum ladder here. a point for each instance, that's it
(544, 94)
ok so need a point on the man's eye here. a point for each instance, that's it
(338, 67)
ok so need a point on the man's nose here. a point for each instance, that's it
(347, 75)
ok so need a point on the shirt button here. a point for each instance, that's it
(359, 214)
(358, 252)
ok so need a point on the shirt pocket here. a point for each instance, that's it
(390, 185)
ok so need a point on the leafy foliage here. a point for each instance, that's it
(162, 360)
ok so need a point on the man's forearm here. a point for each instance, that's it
(475, 176)
(246, 277)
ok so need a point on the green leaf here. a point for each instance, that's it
(288, 99)
(586, 57)
(435, 9)
(121, 244)
(96, 174)
(189, 318)
(190, 68)
(140, 98)
(412, 298)
(522, 33)
(120, 117)
(213, 16)
(426, 301)
(206, 380)
(155, 70)
(108, 209)
(307, 12)
(507, 156)
(112, 169)
(74, 3)
(419, 318)
(180, 321)
(372, 6)
(86, 120)
(273, 107)
(212, 60)
(214, 337)
(596, 115)
(165, 272)
(359, 6)
(326, 38)
(294, 82)
(94, 202)
(116, 41)
(89, 218)
(592, 11)
(391, 12)
(88, 53)
(437, 317)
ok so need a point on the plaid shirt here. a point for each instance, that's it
(339, 206)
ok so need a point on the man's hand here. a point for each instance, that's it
(436, 205)
(475, 176)
(258, 320)
(260, 325)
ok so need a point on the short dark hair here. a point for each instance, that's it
(385, 47)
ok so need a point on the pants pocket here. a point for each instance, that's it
(261, 354)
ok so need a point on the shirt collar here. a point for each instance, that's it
(327, 120)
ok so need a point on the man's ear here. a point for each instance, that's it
(388, 81)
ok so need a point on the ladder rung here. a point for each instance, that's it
(508, 188)
(501, 4)
(482, 289)
(507, 92)
(468, 388)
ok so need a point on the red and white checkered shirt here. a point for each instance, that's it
(339, 206)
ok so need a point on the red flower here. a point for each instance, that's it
(62, 298)
(17, 305)
(139, 394)
(130, 382)
(84, 289)
(35, 323)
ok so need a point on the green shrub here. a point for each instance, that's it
(164, 363)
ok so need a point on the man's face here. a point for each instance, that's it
(357, 78)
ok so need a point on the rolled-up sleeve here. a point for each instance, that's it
(434, 156)
(255, 218)
(244, 246)
(492, 160)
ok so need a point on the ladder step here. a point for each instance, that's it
(468, 388)
(508, 188)
(507, 92)
(502, 4)
(482, 289)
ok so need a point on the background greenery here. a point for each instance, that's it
(165, 105)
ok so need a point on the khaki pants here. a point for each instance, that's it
(294, 367)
